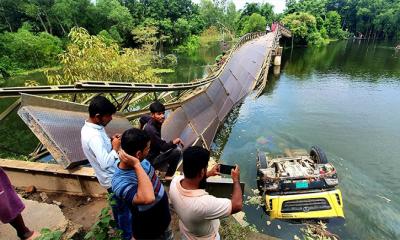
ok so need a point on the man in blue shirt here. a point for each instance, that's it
(151, 219)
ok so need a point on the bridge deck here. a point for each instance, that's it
(197, 120)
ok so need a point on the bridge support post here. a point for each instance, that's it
(277, 70)
(278, 56)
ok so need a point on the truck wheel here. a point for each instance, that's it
(262, 160)
(318, 155)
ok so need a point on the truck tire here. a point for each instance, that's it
(318, 155)
(262, 160)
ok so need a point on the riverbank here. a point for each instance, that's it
(36, 70)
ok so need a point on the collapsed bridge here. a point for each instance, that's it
(198, 107)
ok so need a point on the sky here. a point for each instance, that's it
(279, 5)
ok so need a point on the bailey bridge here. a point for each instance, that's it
(198, 109)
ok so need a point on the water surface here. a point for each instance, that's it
(344, 97)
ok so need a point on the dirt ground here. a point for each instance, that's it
(84, 211)
(77, 209)
(81, 210)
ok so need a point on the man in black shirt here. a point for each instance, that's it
(163, 155)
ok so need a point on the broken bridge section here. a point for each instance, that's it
(197, 120)
(57, 124)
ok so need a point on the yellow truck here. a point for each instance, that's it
(301, 187)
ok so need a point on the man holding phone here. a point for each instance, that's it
(163, 154)
(199, 212)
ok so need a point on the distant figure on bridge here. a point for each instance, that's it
(101, 151)
(398, 47)
(199, 212)
(273, 27)
(11, 208)
(267, 29)
(163, 155)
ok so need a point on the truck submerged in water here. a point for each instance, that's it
(300, 187)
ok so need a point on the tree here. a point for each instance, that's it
(210, 13)
(250, 8)
(68, 14)
(304, 28)
(333, 25)
(90, 58)
(28, 50)
(255, 23)
(182, 30)
(266, 10)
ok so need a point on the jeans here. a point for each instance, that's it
(122, 216)
(168, 161)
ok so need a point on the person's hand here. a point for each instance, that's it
(235, 174)
(128, 159)
(178, 141)
(116, 143)
(117, 135)
(214, 171)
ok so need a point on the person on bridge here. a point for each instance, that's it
(273, 26)
(11, 208)
(101, 152)
(140, 187)
(163, 155)
(199, 212)
(267, 29)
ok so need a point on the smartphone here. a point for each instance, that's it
(226, 169)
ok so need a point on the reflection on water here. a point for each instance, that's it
(344, 98)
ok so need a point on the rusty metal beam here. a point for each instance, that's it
(13, 106)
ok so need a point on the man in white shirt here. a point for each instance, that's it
(101, 151)
(199, 212)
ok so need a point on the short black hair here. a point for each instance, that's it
(195, 159)
(157, 106)
(134, 140)
(101, 105)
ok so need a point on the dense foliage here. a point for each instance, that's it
(33, 32)
(25, 49)
(339, 18)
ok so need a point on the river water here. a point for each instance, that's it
(344, 97)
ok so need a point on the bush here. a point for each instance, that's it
(316, 39)
(304, 28)
(6, 65)
(190, 46)
(28, 50)
(323, 33)
(47, 234)
(255, 23)
(170, 61)
(89, 58)
(211, 34)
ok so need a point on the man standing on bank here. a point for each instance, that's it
(199, 212)
(101, 151)
(163, 155)
(139, 186)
